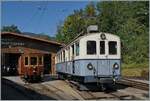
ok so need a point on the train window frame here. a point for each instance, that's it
(95, 51)
(36, 62)
(104, 48)
(110, 52)
(77, 52)
(27, 60)
(41, 60)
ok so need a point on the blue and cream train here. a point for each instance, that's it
(94, 57)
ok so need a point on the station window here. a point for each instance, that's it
(33, 60)
(26, 61)
(40, 61)
(102, 47)
(112, 47)
(77, 49)
(91, 47)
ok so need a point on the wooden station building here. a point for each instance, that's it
(15, 46)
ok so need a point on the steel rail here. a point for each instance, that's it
(133, 83)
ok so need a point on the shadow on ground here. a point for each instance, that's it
(13, 91)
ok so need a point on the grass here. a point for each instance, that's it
(134, 65)
(135, 70)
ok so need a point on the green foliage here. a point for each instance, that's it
(127, 19)
(11, 28)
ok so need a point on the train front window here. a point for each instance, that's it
(77, 49)
(40, 60)
(91, 47)
(26, 60)
(112, 47)
(102, 47)
(33, 60)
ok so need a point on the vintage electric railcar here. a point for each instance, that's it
(31, 67)
(94, 57)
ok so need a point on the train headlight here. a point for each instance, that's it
(116, 66)
(90, 66)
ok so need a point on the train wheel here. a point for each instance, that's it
(111, 87)
(114, 87)
(103, 88)
(59, 76)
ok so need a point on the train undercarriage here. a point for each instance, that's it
(83, 84)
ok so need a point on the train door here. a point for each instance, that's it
(103, 62)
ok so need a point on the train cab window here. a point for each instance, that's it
(33, 60)
(26, 61)
(77, 49)
(40, 61)
(102, 47)
(91, 47)
(112, 47)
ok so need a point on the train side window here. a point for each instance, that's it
(102, 47)
(26, 61)
(77, 49)
(33, 60)
(72, 50)
(60, 56)
(40, 61)
(112, 47)
(91, 47)
(64, 56)
(69, 54)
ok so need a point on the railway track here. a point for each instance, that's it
(50, 91)
(95, 95)
(42, 89)
(133, 83)
(61, 89)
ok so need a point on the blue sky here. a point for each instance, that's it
(38, 16)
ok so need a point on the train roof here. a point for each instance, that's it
(87, 34)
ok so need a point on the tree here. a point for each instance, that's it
(11, 28)
(127, 19)
(72, 26)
